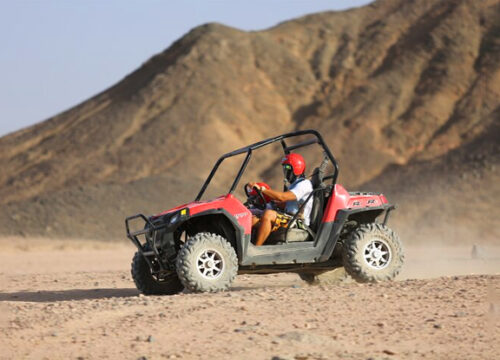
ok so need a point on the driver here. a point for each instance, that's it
(287, 202)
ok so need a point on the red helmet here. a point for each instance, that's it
(296, 161)
(263, 185)
(293, 166)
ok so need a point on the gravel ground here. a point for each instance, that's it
(80, 303)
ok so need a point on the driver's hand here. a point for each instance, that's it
(254, 184)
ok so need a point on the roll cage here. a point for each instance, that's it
(286, 149)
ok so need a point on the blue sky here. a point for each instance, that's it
(55, 54)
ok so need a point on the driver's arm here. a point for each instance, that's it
(281, 196)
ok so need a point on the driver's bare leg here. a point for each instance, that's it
(266, 224)
(255, 220)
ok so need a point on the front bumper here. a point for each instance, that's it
(159, 245)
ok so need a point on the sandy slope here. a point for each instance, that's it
(61, 301)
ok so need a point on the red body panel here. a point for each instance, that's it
(341, 199)
(227, 202)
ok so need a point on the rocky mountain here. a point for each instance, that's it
(406, 93)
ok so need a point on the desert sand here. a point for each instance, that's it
(76, 300)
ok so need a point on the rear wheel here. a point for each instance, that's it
(148, 284)
(207, 263)
(372, 253)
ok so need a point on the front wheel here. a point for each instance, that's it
(207, 263)
(148, 284)
(372, 253)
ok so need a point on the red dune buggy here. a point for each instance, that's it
(203, 245)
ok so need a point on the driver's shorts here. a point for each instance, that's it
(282, 220)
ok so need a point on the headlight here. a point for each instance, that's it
(174, 219)
(178, 216)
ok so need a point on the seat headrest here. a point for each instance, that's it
(317, 178)
(319, 173)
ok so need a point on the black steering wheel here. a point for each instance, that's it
(258, 201)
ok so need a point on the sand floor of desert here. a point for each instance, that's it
(76, 300)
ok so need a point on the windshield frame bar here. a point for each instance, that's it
(249, 149)
(240, 173)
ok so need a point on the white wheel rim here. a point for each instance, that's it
(377, 254)
(210, 264)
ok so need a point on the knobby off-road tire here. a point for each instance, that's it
(328, 277)
(147, 284)
(207, 263)
(362, 260)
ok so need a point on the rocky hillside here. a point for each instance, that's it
(395, 87)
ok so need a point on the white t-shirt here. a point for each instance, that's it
(301, 189)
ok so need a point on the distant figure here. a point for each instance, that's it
(476, 252)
